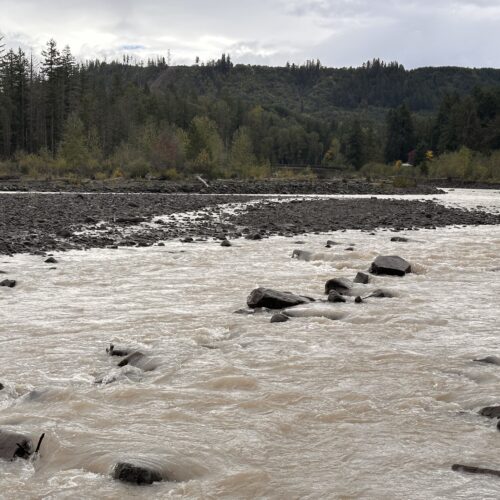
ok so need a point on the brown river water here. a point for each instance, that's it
(378, 404)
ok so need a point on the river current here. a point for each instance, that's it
(378, 404)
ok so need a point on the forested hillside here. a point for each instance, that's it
(63, 117)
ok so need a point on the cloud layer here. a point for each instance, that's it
(338, 32)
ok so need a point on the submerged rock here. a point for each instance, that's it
(15, 445)
(492, 360)
(379, 294)
(399, 239)
(136, 474)
(279, 318)
(315, 310)
(358, 300)
(490, 412)
(139, 360)
(340, 285)
(51, 260)
(302, 255)
(274, 299)
(8, 283)
(391, 265)
(362, 278)
(226, 243)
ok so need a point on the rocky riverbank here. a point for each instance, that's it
(268, 186)
(38, 223)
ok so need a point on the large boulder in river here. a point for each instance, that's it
(391, 265)
(340, 285)
(14, 445)
(274, 299)
(136, 474)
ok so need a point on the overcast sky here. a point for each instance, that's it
(338, 32)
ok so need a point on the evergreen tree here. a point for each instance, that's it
(400, 135)
(354, 146)
(73, 150)
(51, 67)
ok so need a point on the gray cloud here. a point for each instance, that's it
(339, 32)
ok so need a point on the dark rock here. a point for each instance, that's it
(2, 387)
(113, 351)
(390, 265)
(362, 278)
(349, 249)
(136, 474)
(273, 299)
(340, 285)
(64, 233)
(490, 412)
(130, 220)
(335, 296)
(331, 243)
(399, 239)
(492, 360)
(225, 243)
(8, 283)
(51, 260)
(279, 318)
(14, 445)
(255, 236)
(358, 300)
(188, 239)
(474, 470)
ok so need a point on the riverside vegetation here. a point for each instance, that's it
(95, 119)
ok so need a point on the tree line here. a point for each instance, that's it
(130, 118)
